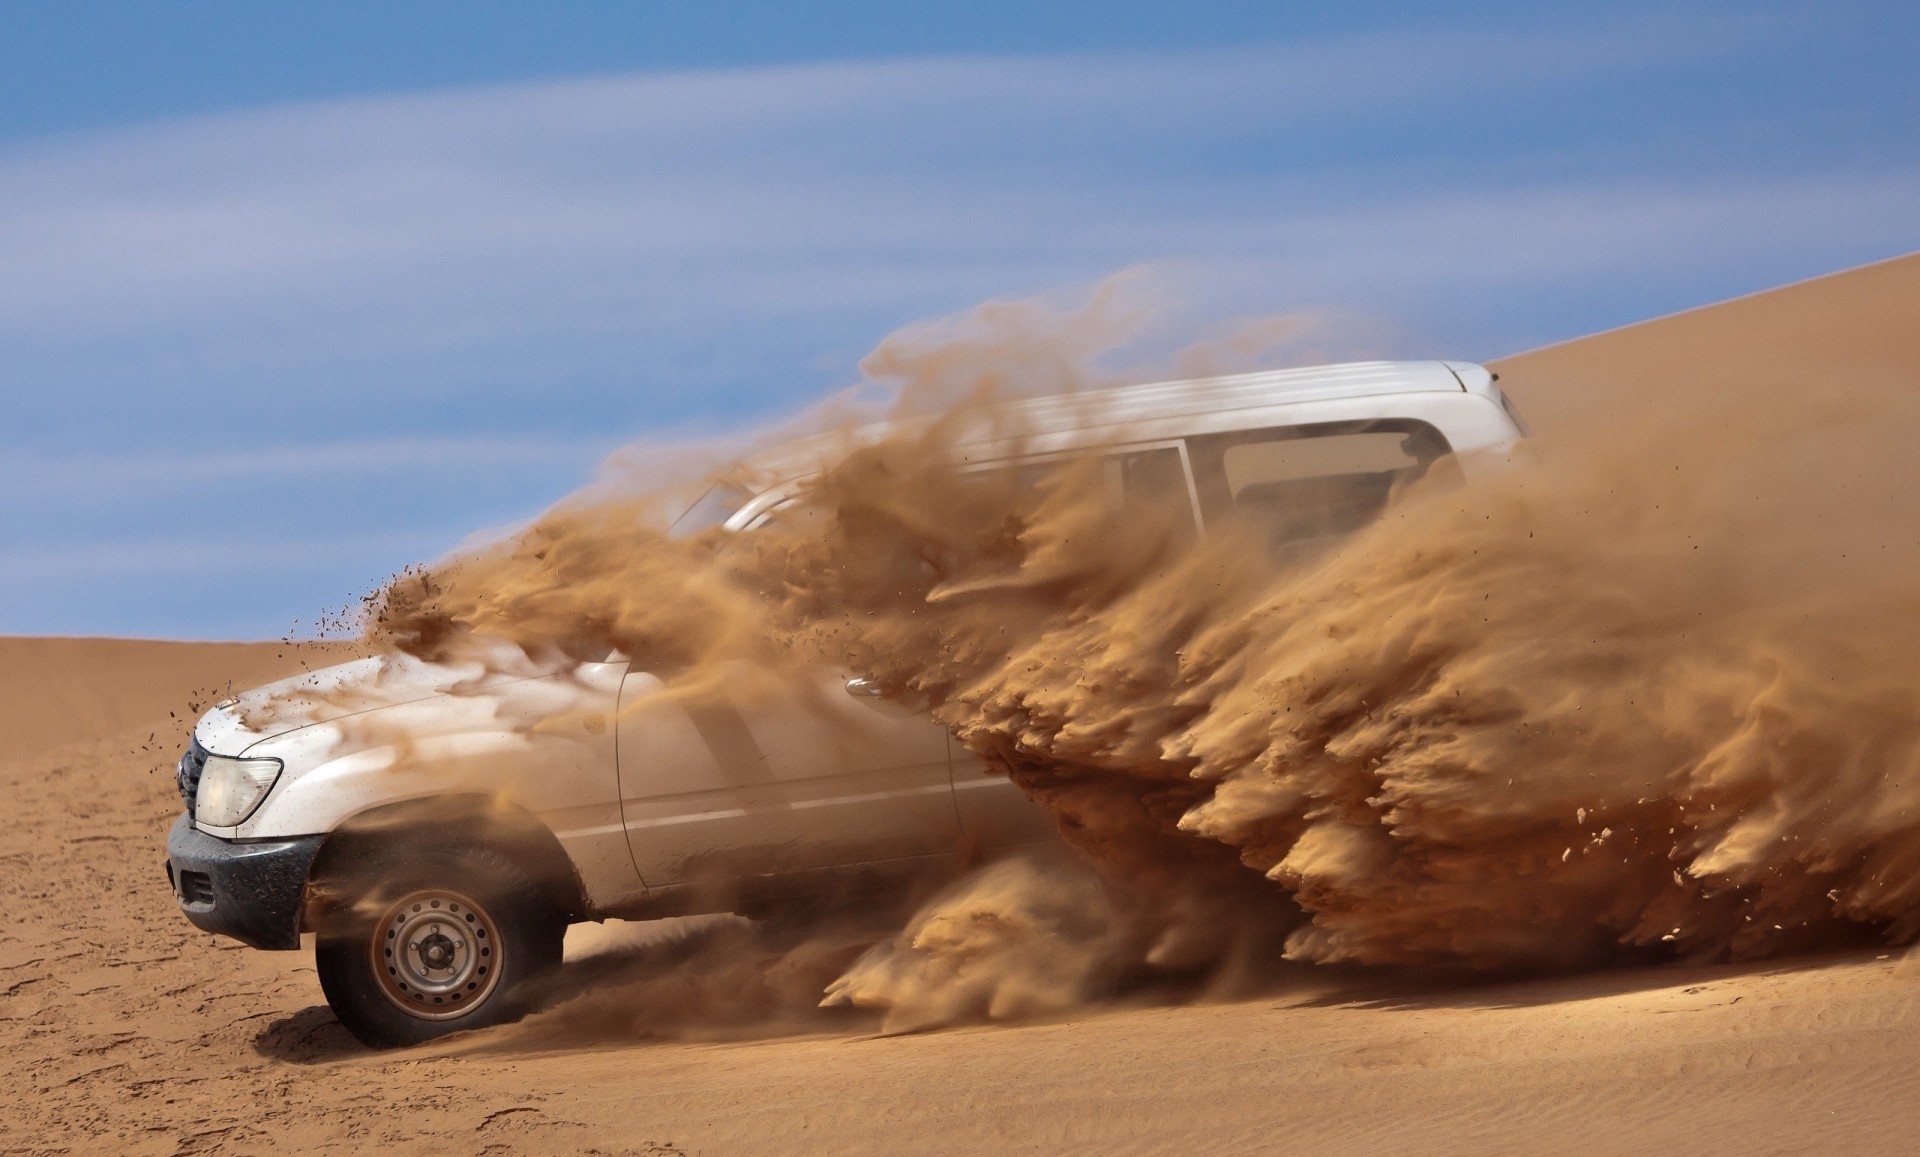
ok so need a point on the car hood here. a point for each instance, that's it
(334, 693)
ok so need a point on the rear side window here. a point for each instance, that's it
(1301, 486)
(1256, 471)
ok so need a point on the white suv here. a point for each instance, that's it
(437, 826)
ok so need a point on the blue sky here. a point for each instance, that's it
(292, 295)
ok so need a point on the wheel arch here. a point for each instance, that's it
(464, 819)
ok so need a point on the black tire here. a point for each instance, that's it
(434, 941)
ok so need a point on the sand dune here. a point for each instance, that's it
(56, 689)
(122, 1029)
(1859, 327)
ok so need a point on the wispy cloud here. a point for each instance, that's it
(215, 559)
(583, 205)
(46, 475)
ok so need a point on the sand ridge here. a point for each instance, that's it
(1858, 326)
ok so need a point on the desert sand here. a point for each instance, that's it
(123, 1029)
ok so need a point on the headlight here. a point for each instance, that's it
(231, 788)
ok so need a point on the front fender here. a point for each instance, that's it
(545, 776)
(548, 751)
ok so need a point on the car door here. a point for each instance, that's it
(1144, 479)
(766, 777)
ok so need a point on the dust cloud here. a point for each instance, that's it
(1019, 938)
(1638, 692)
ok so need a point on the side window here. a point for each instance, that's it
(1304, 485)
(1135, 481)
(1149, 479)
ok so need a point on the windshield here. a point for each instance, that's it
(709, 510)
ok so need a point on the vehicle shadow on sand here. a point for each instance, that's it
(311, 1036)
(703, 979)
(724, 979)
(698, 979)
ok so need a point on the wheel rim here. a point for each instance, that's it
(437, 954)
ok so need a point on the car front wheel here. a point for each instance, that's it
(437, 941)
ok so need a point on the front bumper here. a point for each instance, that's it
(249, 891)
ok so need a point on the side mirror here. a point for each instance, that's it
(864, 688)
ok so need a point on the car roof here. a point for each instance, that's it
(1131, 405)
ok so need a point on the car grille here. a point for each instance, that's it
(196, 888)
(191, 765)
